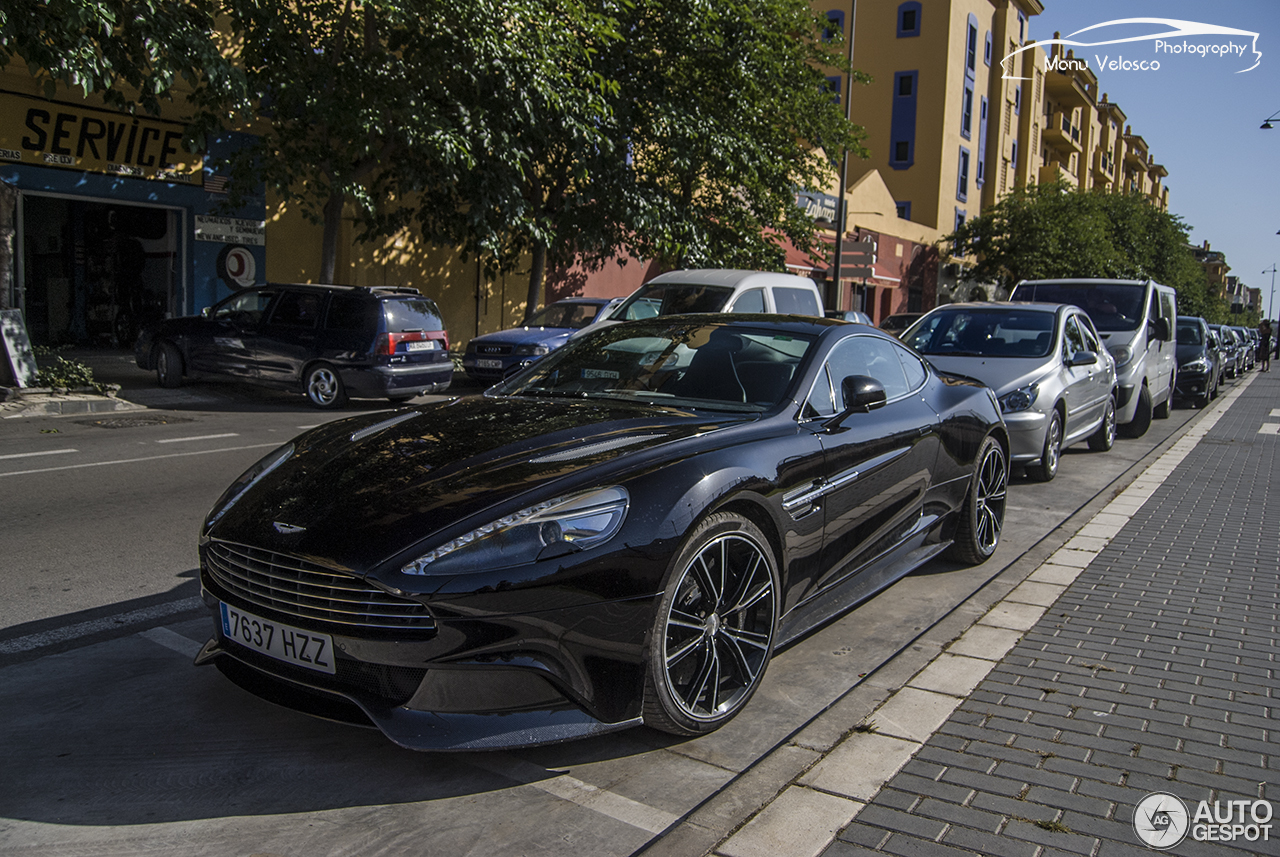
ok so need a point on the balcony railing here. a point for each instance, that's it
(1062, 134)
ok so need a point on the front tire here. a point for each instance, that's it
(1161, 411)
(1051, 455)
(1105, 437)
(168, 366)
(323, 387)
(713, 634)
(982, 516)
(1141, 417)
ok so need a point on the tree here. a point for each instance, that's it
(1052, 230)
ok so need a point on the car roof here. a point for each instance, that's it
(1039, 306)
(376, 291)
(595, 301)
(732, 278)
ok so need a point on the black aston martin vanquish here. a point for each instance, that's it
(620, 534)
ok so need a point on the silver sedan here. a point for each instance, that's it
(1055, 382)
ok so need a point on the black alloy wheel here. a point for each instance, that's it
(1051, 455)
(713, 635)
(1105, 437)
(982, 517)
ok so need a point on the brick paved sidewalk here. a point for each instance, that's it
(1154, 671)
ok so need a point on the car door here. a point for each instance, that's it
(225, 342)
(1080, 385)
(287, 340)
(879, 463)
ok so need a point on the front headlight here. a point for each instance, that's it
(557, 527)
(246, 481)
(1122, 354)
(532, 350)
(1197, 365)
(1020, 399)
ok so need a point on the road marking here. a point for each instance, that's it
(46, 452)
(144, 458)
(96, 626)
(200, 437)
(1275, 412)
(173, 640)
(574, 790)
(1269, 428)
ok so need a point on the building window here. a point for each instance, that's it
(902, 126)
(833, 87)
(904, 210)
(986, 51)
(1017, 100)
(966, 111)
(909, 19)
(971, 46)
(962, 182)
(835, 24)
(961, 216)
(981, 176)
(1013, 157)
(1022, 28)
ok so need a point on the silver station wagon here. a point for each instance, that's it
(1055, 382)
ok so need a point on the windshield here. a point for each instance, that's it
(687, 365)
(1189, 334)
(1112, 306)
(574, 315)
(983, 333)
(672, 299)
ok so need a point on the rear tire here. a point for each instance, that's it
(168, 366)
(1105, 437)
(1141, 417)
(982, 516)
(323, 387)
(713, 633)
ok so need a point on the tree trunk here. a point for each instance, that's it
(332, 228)
(536, 274)
(8, 212)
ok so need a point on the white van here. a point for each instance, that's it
(714, 290)
(1137, 320)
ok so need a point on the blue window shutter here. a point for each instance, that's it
(909, 19)
(982, 143)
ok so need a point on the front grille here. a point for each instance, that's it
(291, 586)
(493, 349)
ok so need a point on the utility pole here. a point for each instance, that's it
(842, 207)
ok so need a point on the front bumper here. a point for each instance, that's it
(501, 682)
(1191, 385)
(1026, 435)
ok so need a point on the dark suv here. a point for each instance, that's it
(329, 342)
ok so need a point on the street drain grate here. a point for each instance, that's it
(135, 422)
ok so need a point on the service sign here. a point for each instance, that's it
(73, 136)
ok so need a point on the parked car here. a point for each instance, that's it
(1199, 361)
(1247, 340)
(1055, 383)
(622, 533)
(1232, 358)
(898, 322)
(714, 290)
(492, 356)
(327, 342)
(850, 315)
(1136, 320)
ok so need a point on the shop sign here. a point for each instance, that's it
(231, 230)
(821, 207)
(76, 137)
(236, 266)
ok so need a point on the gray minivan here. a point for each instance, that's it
(1136, 320)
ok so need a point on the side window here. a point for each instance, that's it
(297, 309)
(1072, 341)
(1090, 336)
(912, 368)
(346, 313)
(248, 305)
(820, 403)
(868, 355)
(796, 302)
(1169, 304)
(750, 301)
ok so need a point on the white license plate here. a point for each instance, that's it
(421, 345)
(482, 363)
(282, 642)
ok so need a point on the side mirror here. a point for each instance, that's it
(862, 394)
(1163, 333)
(1084, 358)
(207, 312)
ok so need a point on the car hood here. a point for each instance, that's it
(356, 492)
(525, 335)
(1187, 353)
(1002, 374)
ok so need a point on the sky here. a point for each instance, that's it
(1200, 116)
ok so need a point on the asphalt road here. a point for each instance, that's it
(116, 744)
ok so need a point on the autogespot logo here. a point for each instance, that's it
(1161, 820)
(1165, 31)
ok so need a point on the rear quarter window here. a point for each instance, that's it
(347, 312)
(412, 314)
(791, 301)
